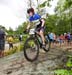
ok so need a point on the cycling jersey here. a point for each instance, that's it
(35, 19)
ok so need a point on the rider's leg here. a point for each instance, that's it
(41, 33)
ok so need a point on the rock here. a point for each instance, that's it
(17, 73)
(46, 63)
(2, 73)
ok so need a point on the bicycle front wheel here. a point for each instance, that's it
(31, 49)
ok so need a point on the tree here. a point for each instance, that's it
(64, 11)
(58, 23)
(21, 28)
(67, 4)
(10, 31)
(51, 23)
(42, 5)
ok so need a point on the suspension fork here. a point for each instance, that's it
(37, 37)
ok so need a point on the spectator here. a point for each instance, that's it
(68, 38)
(2, 41)
(57, 40)
(10, 42)
(20, 37)
(65, 41)
(61, 39)
(52, 39)
(51, 36)
(71, 38)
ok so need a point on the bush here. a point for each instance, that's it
(63, 72)
(14, 50)
(68, 70)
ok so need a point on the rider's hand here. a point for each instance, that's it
(26, 31)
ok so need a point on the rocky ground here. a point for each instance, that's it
(16, 64)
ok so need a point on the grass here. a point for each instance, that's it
(14, 50)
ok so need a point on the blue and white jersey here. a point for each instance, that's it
(35, 19)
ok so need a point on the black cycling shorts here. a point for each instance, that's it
(39, 27)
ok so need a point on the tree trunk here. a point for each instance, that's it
(38, 7)
(30, 3)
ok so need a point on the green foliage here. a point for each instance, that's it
(16, 40)
(47, 2)
(69, 63)
(63, 11)
(61, 72)
(53, 23)
(63, 5)
(67, 4)
(50, 23)
(12, 51)
(10, 31)
(21, 28)
(25, 37)
(57, 24)
(43, 4)
(65, 71)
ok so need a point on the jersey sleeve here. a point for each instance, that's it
(38, 16)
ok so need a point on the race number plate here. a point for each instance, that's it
(32, 31)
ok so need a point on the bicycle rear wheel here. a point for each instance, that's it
(31, 49)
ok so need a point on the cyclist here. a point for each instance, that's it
(38, 22)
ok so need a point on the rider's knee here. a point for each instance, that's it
(41, 32)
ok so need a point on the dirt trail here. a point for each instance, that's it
(16, 64)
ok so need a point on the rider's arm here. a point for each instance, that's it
(43, 22)
(28, 26)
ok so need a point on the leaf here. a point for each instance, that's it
(43, 4)
(61, 72)
(69, 63)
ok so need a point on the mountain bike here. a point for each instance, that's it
(33, 44)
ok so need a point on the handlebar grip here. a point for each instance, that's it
(26, 31)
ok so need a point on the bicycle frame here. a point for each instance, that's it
(37, 36)
(34, 33)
